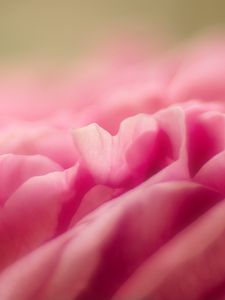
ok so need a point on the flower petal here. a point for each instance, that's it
(95, 257)
(16, 169)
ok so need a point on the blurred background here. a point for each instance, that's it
(61, 30)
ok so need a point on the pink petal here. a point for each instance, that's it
(204, 138)
(190, 266)
(31, 215)
(212, 174)
(93, 259)
(16, 169)
(37, 138)
(143, 146)
(132, 143)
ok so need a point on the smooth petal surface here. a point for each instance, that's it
(30, 139)
(30, 215)
(16, 169)
(85, 265)
(190, 266)
(133, 144)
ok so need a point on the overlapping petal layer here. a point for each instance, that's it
(116, 191)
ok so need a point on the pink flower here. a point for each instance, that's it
(112, 185)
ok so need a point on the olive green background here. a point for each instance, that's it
(64, 29)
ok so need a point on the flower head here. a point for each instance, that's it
(112, 184)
